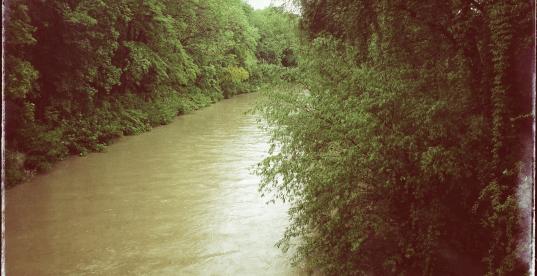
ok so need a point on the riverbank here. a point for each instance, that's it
(124, 116)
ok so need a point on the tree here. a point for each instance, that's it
(81, 73)
(403, 151)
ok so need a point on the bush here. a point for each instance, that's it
(233, 79)
(269, 73)
(43, 148)
(134, 121)
(14, 166)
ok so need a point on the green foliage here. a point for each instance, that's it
(43, 147)
(20, 78)
(235, 75)
(278, 40)
(80, 74)
(232, 79)
(14, 168)
(395, 152)
(277, 48)
(265, 73)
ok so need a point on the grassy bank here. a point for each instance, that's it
(123, 116)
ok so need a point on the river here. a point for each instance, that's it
(179, 200)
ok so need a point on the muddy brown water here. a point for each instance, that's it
(179, 200)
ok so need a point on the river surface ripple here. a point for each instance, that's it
(179, 200)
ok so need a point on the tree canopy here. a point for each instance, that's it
(81, 73)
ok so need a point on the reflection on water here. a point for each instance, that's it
(179, 200)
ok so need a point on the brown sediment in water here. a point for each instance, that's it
(179, 200)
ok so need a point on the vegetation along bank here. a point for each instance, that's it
(81, 73)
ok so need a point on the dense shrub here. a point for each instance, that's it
(399, 153)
